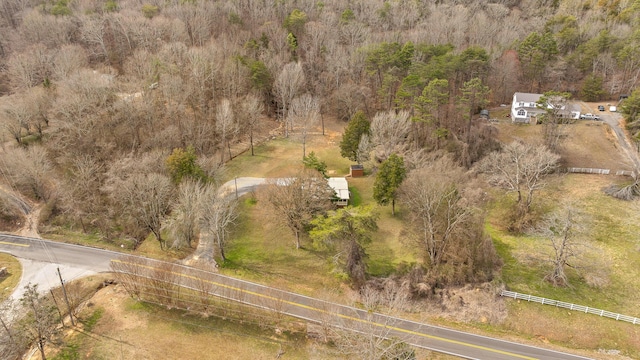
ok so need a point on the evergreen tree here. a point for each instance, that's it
(345, 232)
(182, 163)
(357, 126)
(390, 175)
(592, 89)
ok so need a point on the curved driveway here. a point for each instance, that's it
(439, 339)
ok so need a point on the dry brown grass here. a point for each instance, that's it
(586, 143)
(14, 269)
(130, 330)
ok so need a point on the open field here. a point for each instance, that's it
(14, 270)
(589, 144)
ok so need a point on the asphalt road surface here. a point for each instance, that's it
(439, 339)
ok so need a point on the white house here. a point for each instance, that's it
(341, 187)
(524, 106)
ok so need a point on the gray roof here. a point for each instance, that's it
(527, 97)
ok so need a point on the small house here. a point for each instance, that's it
(341, 188)
(357, 170)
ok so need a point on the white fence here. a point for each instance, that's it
(600, 171)
(584, 309)
(589, 171)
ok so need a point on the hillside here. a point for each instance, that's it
(120, 119)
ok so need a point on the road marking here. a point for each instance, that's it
(347, 317)
(14, 244)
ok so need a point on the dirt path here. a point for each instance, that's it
(31, 213)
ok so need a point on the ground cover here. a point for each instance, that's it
(14, 272)
(614, 286)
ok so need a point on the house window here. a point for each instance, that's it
(522, 112)
(521, 104)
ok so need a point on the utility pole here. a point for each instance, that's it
(66, 299)
(235, 180)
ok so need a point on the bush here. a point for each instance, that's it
(150, 11)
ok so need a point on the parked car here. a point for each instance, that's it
(601, 107)
(613, 108)
(589, 116)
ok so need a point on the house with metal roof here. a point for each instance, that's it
(341, 187)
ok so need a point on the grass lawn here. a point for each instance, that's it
(614, 240)
(14, 269)
(262, 250)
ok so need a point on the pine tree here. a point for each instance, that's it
(390, 175)
(357, 126)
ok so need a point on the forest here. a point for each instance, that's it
(118, 116)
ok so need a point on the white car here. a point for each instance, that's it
(589, 116)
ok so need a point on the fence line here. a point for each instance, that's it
(574, 307)
(600, 171)
(589, 171)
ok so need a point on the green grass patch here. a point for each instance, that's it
(68, 352)
(612, 235)
(9, 282)
(356, 198)
(261, 250)
(91, 321)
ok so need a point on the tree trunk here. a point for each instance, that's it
(297, 239)
(251, 141)
(393, 207)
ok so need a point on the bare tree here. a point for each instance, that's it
(145, 198)
(287, 85)
(190, 203)
(372, 336)
(80, 188)
(217, 219)
(252, 108)
(390, 133)
(29, 68)
(15, 116)
(40, 324)
(29, 171)
(437, 209)
(520, 168)
(304, 114)
(296, 200)
(565, 231)
(67, 60)
(226, 125)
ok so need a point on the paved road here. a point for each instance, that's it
(439, 339)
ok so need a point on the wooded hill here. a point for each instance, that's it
(97, 94)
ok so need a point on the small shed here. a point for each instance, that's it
(484, 114)
(341, 187)
(357, 170)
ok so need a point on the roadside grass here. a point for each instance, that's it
(9, 282)
(129, 329)
(614, 242)
(71, 236)
(149, 247)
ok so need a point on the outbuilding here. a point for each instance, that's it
(341, 187)
(357, 170)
